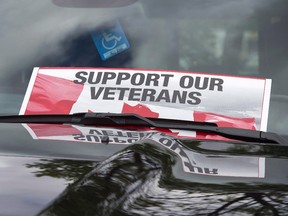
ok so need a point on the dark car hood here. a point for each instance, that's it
(60, 177)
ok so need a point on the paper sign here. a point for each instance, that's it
(228, 101)
(192, 162)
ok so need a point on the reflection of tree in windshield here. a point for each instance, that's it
(198, 203)
(70, 170)
(104, 190)
(139, 181)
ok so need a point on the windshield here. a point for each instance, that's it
(230, 37)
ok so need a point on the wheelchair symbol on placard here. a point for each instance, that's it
(109, 40)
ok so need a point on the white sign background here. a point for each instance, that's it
(239, 97)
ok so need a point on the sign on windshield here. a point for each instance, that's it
(228, 101)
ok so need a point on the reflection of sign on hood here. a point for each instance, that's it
(192, 162)
(174, 95)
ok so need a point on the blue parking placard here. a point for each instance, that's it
(111, 41)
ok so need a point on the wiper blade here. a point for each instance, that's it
(112, 119)
(103, 119)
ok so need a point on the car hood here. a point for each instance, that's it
(45, 176)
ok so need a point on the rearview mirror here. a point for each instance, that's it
(93, 3)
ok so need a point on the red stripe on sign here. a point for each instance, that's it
(46, 130)
(139, 109)
(225, 121)
(222, 121)
(52, 95)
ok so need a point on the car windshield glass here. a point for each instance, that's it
(231, 37)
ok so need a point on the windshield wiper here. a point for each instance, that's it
(112, 119)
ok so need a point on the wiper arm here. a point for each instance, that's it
(111, 119)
